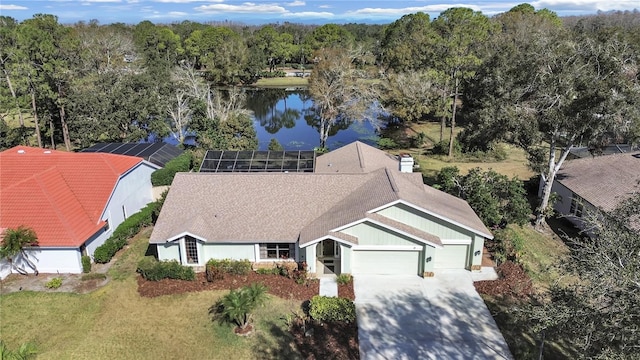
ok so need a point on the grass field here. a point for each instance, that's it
(114, 322)
(289, 81)
(430, 165)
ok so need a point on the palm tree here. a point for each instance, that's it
(26, 351)
(236, 307)
(14, 242)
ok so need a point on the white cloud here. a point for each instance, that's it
(102, 1)
(325, 6)
(12, 7)
(177, 13)
(297, 3)
(243, 8)
(310, 14)
(186, 1)
(586, 5)
(409, 10)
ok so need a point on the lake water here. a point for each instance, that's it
(288, 117)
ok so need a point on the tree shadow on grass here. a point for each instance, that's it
(272, 342)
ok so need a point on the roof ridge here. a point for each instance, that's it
(392, 180)
(68, 228)
(359, 152)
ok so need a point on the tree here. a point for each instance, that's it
(413, 96)
(274, 145)
(580, 91)
(340, 91)
(496, 199)
(408, 43)
(598, 312)
(14, 242)
(460, 30)
(236, 307)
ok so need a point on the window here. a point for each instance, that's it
(277, 251)
(577, 207)
(191, 247)
(124, 211)
(107, 226)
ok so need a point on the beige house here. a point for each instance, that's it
(600, 182)
(356, 213)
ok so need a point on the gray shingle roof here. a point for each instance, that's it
(603, 181)
(287, 207)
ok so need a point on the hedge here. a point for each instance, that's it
(164, 176)
(123, 232)
(86, 264)
(154, 270)
(331, 309)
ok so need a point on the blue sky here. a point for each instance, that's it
(260, 11)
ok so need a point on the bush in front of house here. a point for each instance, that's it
(86, 264)
(120, 237)
(54, 283)
(152, 269)
(215, 269)
(332, 309)
(344, 279)
(181, 163)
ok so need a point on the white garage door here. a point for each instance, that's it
(385, 262)
(452, 257)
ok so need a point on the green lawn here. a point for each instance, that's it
(289, 81)
(114, 322)
(430, 165)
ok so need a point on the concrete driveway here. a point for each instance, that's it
(402, 317)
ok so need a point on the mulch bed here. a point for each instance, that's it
(277, 285)
(326, 341)
(513, 282)
(346, 291)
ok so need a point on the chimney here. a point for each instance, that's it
(406, 163)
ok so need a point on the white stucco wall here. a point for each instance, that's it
(52, 260)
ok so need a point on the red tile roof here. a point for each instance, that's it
(60, 195)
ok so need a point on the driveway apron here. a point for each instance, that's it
(408, 317)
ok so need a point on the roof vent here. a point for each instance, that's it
(21, 151)
(47, 151)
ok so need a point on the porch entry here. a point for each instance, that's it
(328, 255)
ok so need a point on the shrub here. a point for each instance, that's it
(128, 228)
(164, 176)
(387, 143)
(331, 309)
(300, 274)
(86, 264)
(268, 271)
(236, 307)
(442, 148)
(229, 266)
(154, 270)
(344, 279)
(213, 272)
(54, 283)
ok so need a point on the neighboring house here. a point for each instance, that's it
(73, 201)
(158, 153)
(357, 213)
(600, 182)
(580, 152)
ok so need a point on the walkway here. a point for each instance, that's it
(328, 286)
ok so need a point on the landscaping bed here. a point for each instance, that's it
(514, 282)
(277, 285)
(336, 340)
(346, 291)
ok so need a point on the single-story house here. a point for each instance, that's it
(362, 211)
(600, 182)
(73, 201)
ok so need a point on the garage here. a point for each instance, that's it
(379, 262)
(452, 257)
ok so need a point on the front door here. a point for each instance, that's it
(328, 252)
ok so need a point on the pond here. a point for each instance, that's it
(288, 117)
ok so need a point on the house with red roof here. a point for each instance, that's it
(73, 201)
